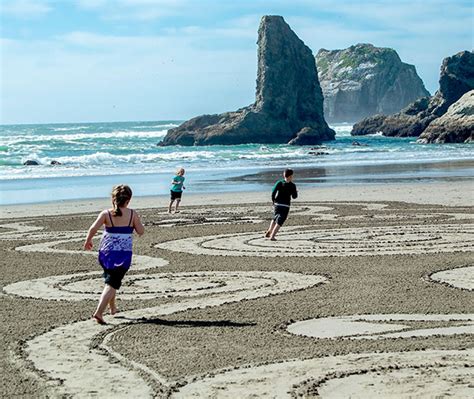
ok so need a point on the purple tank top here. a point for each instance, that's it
(115, 249)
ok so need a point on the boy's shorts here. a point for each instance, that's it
(113, 277)
(175, 194)
(280, 214)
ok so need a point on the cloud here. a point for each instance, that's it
(91, 4)
(187, 57)
(109, 42)
(143, 10)
(92, 77)
(25, 9)
(402, 16)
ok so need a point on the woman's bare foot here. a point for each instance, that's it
(98, 319)
(273, 239)
(113, 311)
(267, 233)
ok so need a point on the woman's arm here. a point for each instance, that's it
(88, 245)
(137, 224)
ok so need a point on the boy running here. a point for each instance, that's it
(282, 193)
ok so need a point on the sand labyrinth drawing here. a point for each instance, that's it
(66, 353)
(307, 241)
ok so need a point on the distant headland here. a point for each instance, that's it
(362, 81)
(446, 117)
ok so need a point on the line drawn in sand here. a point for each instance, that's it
(66, 353)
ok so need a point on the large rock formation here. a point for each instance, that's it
(289, 103)
(457, 78)
(364, 80)
(455, 126)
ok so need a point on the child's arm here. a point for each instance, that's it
(137, 224)
(88, 245)
(276, 187)
(295, 193)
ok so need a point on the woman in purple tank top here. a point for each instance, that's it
(115, 249)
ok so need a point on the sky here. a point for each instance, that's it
(131, 60)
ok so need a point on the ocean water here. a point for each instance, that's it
(95, 156)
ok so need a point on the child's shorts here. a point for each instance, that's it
(175, 194)
(281, 213)
(113, 277)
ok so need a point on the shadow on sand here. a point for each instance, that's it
(189, 323)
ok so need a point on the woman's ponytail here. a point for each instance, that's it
(120, 196)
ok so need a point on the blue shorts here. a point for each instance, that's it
(175, 195)
(280, 214)
(113, 277)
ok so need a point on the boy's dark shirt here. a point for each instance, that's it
(283, 192)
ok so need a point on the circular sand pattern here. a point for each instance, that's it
(382, 326)
(462, 277)
(65, 353)
(202, 221)
(434, 381)
(18, 227)
(292, 379)
(396, 216)
(307, 241)
(250, 210)
(83, 286)
(21, 231)
(236, 215)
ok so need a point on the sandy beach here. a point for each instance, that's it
(367, 292)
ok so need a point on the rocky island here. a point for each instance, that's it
(365, 80)
(456, 125)
(289, 102)
(456, 79)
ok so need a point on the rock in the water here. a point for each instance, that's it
(455, 126)
(364, 80)
(54, 162)
(370, 125)
(289, 103)
(29, 162)
(457, 78)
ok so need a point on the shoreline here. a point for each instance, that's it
(33, 191)
(426, 192)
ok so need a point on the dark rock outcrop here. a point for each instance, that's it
(29, 162)
(289, 103)
(370, 125)
(457, 78)
(455, 126)
(364, 80)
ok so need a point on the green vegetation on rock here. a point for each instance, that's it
(363, 80)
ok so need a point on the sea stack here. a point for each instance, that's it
(364, 80)
(456, 79)
(289, 102)
(455, 126)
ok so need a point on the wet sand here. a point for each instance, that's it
(211, 308)
(460, 170)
